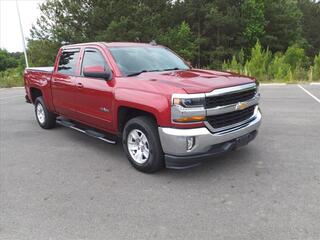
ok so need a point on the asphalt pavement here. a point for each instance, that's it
(61, 184)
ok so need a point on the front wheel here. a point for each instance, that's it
(45, 118)
(142, 144)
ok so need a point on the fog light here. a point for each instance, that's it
(190, 143)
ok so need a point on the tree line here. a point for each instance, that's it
(215, 34)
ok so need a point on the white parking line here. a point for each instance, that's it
(309, 93)
(273, 84)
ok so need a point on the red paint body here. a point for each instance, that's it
(80, 98)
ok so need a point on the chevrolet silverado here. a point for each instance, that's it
(165, 113)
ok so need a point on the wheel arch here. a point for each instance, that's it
(125, 113)
(35, 93)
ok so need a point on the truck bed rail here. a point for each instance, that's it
(41, 69)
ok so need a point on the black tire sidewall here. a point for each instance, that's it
(47, 124)
(155, 159)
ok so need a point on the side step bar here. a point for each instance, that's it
(89, 132)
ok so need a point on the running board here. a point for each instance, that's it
(89, 132)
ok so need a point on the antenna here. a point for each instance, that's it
(22, 36)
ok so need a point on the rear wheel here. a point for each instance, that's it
(142, 144)
(45, 118)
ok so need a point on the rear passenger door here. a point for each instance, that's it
(63, 83)
(94, 95)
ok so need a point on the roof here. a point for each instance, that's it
(111, 44)
(126, 44)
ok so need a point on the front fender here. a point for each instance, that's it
(153, 103)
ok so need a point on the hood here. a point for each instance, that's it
(195, 80)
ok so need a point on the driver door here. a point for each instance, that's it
(94, 95)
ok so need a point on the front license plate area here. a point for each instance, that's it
(244, 140)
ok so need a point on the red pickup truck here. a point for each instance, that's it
(166, 113)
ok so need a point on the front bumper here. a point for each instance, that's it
(174, 142)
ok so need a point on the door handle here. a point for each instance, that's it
(79, 85)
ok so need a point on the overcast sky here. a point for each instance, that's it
(10, 37)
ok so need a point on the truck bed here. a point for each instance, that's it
(38, 77)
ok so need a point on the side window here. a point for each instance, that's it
(93, 58)
(68, 62)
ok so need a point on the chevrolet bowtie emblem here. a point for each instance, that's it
(241, 106)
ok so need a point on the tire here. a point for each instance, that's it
(45, 118)
(152, 158)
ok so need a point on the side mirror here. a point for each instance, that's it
(97, 72)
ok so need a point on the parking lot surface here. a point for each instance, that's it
(61, 184)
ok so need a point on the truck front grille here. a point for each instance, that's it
(231, 98)
(227, 119)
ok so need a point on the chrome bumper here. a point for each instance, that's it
(174, 141)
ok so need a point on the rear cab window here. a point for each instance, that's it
(68, 61)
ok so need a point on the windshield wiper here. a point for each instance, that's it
(171, 69)
(143, 71)
(136, 73)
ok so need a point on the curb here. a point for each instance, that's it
(11, 88)
(273, 84)
(283, 84)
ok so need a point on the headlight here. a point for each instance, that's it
(187, 108)
(189, 102)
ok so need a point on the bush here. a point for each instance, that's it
(236, 64)
(280, 70)
(12, 77)
(291, 66)
(259, 62)
(296, 57)
(316, 68)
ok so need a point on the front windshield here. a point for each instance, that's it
(135, 60)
